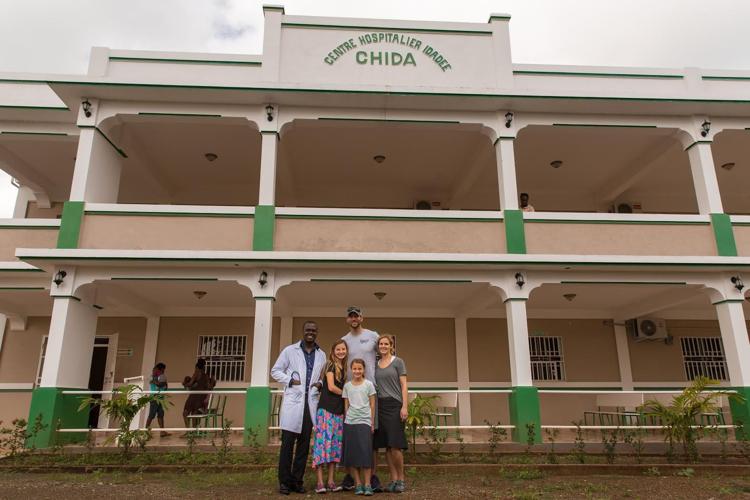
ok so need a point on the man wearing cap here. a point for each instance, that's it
(362, 344)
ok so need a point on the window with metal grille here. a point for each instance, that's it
(546, 358)
(704, 356)
(224, 355)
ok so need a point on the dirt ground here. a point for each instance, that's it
(529, 484)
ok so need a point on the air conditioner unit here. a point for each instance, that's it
(649, 329)
(428, 205)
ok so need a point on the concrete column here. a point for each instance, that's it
(23, 197)
(704, 178)
(737, 353)
(3, 325)
(269, 148)
(70, 345)
(462, 371)
(623, 355)
(523, 402)
(67, 363)
(736, 343)
(96, 177)
(518, 342)
(506, 173)
(258, 399)
(150, 344)
(286, 334)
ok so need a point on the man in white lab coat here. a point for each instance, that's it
(298, 371)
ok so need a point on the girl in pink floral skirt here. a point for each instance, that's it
(330, 418)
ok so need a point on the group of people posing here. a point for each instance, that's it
(354, 400)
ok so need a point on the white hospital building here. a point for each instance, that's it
(183, 205)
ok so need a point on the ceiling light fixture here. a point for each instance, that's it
(728, 166)
(379, 158)
(556, 163)
(569, 296)
(199, 294)
(211, 156)
(379, 295)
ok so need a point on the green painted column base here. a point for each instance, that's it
(257, 415)
(525, 414)
(515, 235)
(741, 412)
(264, 223)
(52, 407)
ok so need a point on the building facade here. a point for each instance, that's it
(183, 205)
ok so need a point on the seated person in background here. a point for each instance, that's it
(525, 206)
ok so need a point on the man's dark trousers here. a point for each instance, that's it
(294, 450)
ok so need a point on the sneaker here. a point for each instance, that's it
(368, 491)
(332, 488)
(391, 487)
(165, 434)
(284, 489)
(347, 484)
(321, 489)
(400, 486)
(359, 490)
(375, 483)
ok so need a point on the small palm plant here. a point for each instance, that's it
(420, 412)
(123, 408)
(680, 418)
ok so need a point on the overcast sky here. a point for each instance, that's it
(54, 36)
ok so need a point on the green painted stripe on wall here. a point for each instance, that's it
(263, 228)
(387, 218)
(184, 61)
(643, 223)
(726, 245)
(381, 28)
(365, 280)
(601, 125)
(572, 282)
(515, 238)
(191, 115)
(70, 224)
(170, 214)
(34, 133)
(604, 75)
(390, 120)
(29, 227)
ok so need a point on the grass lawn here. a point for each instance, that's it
(528, 484)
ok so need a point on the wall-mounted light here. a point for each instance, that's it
(263, 279)
(705, 128)
(86, 105)
(269, 112)
(379, 158)
(199, 294)
(508, 119)
(59, 277)
(737, 282)
(520, 281)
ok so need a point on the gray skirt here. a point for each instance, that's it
(357, 446)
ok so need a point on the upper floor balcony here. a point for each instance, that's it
(192, 181)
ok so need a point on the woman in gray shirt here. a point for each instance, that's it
(390, 379)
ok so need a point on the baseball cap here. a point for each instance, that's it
(353, 310)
